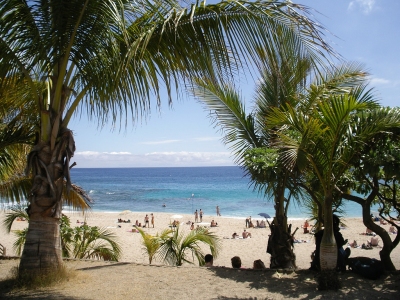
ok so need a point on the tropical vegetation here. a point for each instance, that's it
(109, 58)
(80, 242)
(329, 130)
(301, 138)
(374, 178)
(175, 248)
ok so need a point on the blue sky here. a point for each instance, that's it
(365, 31)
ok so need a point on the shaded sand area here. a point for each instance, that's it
(100, 280)
(133, 278)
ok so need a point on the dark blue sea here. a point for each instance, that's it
(182, 190)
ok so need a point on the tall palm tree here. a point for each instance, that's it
(286, 85)
(175, 247)
(284, 76)
(326, 139)
(109, 57)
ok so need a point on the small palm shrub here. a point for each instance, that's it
(176, 247)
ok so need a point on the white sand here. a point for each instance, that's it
(247, 249)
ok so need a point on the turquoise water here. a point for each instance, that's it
(182, 190)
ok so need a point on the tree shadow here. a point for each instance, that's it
(8, 291)
(302, 284)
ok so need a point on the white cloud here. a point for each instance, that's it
(206, 139)
(92, 159)
(160, 142)
(365, 5)
(379, 81)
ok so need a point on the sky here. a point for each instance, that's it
(365, 31)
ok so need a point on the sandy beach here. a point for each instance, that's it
(248, 250)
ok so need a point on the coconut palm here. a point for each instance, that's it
(175, 248)
(108, 58)
(327, 140)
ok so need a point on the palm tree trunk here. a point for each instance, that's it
(328, 251)
(43, 251)
(280, 242)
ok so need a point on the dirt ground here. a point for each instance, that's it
(106, 280)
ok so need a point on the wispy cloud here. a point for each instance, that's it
(206, 139)
(91, 159)
(366, 6)
(379, 81)
(160, 142)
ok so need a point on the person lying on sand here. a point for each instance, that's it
(235, 235)
(353, 244)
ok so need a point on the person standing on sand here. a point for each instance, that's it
(196, 216)
(218, 213)
(248, 221)
(152, 219)
(201, 215)
(146, 221)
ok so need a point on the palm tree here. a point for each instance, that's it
(284, 76)
(108, 57)
(151, 244)
(174, 248)
(326, 139)
(257, 138)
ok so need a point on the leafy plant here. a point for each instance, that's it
(176, 247)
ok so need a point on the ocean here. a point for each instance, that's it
(180, 190)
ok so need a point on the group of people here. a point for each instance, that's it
(235, 261)
(124, 221)
(259, 224)
(245, 235)
(198, 214)
(146, 222)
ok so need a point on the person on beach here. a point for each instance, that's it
(392, 229)
(146, 221)
(213, 224)
(201, 215)
(258, 265)
(374, 241)
(236, 262)
(246, 234)
(248, 220)
(196, 216)
(235, 235)
(152, 220)
(262, 224)
(209, 260)
(218, 213)
(305, 227)
(192, 226)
